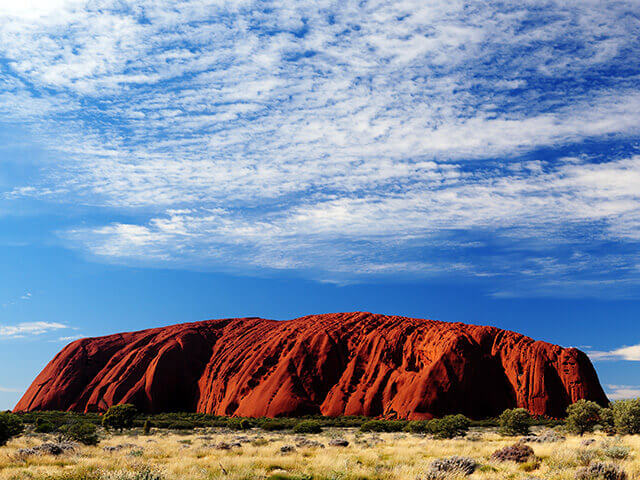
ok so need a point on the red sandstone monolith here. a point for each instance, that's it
(334, 364)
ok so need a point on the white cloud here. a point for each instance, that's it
(630, 353)
(22, 298)
(27, 329)
(342, 138)
(70, 338)
(554, 201)
(623, 392)
(11, 390)
(33, 9)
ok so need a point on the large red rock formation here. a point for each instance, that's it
(334, 364)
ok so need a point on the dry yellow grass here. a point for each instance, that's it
(385, 456)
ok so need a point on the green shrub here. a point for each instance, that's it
(487, 468)
(383, 426)
(83, 432)
(373, 426)
(416, 426)
(181, 425)
(514, 422)
(239, 424)
(626, 416)
(10, 426)
(58, 419)
(582, 416)
(343, 422)
(43, 426)
(530, 465)
(308, 426)
(275, 424)
(288, 476)
(607, 421)
(450, 426)
(119, 416)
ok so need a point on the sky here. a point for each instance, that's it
(172, 161)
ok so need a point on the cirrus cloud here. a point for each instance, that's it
(345, 140)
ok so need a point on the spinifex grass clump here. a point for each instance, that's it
(601, 471)
(616, 452)
(222, 453)
(548, 436)
(519, 453)
(455, 464)
(48, 448)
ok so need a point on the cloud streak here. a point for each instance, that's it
(70, 338)
(28, 329)
(629, 353)
(27, 296)
(11, 390)
(623, 392)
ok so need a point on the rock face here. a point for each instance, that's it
(334, 364)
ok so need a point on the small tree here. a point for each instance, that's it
(43, 426)
(606, 421)
(83, 432)
(514, 422)
(239, 423)
(450, 426)
(626, 416)
(582, 416)
(119, 416)
(308, 426)
(10, 426)
(146, 427)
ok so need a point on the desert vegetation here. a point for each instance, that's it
(592, 443)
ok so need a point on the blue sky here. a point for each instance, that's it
(173, 161)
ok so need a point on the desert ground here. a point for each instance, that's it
(214, 453)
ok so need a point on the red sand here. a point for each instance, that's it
(334, 364)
